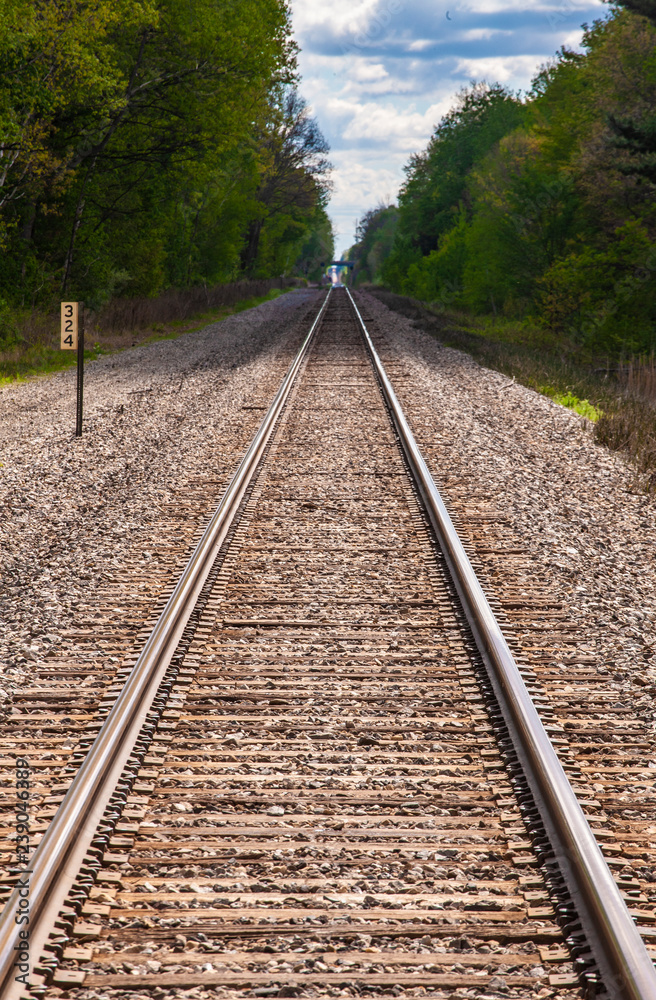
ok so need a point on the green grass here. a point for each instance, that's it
(43, 357)
(40, 359)
(581, 406)
(532, 356)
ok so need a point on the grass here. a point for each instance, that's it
(619, 398)
(583, 407)
(124, 324)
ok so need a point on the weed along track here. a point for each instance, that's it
(333, 790)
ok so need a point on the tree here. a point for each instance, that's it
(55, 59)
(293, 173)
(436, 188)
(318, 247)
(374, 235)
(637, 137)
(534, 207)
(108, 110)
(639, 140)
(644, 8)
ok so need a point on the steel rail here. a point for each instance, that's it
(626, 969)
(72, 817)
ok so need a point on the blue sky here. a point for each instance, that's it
(379, 74)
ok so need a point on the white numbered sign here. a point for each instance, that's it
(69, 318)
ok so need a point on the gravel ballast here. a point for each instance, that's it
(81, 514)
(158, 418)
(575, 507)
(96, 529)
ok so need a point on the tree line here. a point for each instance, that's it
(153, 144)
(539, 207)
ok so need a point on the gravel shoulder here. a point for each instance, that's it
(86, 520)
(571, 504)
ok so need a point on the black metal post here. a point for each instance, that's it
(80, 369)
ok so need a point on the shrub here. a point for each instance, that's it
(9, 334)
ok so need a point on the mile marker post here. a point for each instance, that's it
(72, 338)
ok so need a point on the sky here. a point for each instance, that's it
(379, 75)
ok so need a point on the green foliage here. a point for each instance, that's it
(135, 139)
(543, 209)
(9, 334)
(317, 248)
(581, 406)
(646, 8)
(395, 268)
(607, 297)
(436, 185)
(291, 185)
(437, 278)
(375, 234)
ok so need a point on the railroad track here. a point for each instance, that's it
(324, 775)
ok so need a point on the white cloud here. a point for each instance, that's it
(501, 69)
(567, 7)
(359, 78)
(370, 74)
(406, 129)
(361, 183)
(353, 15)
(420, 45)
(573, 40)
(362, 77)
(482, 34)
